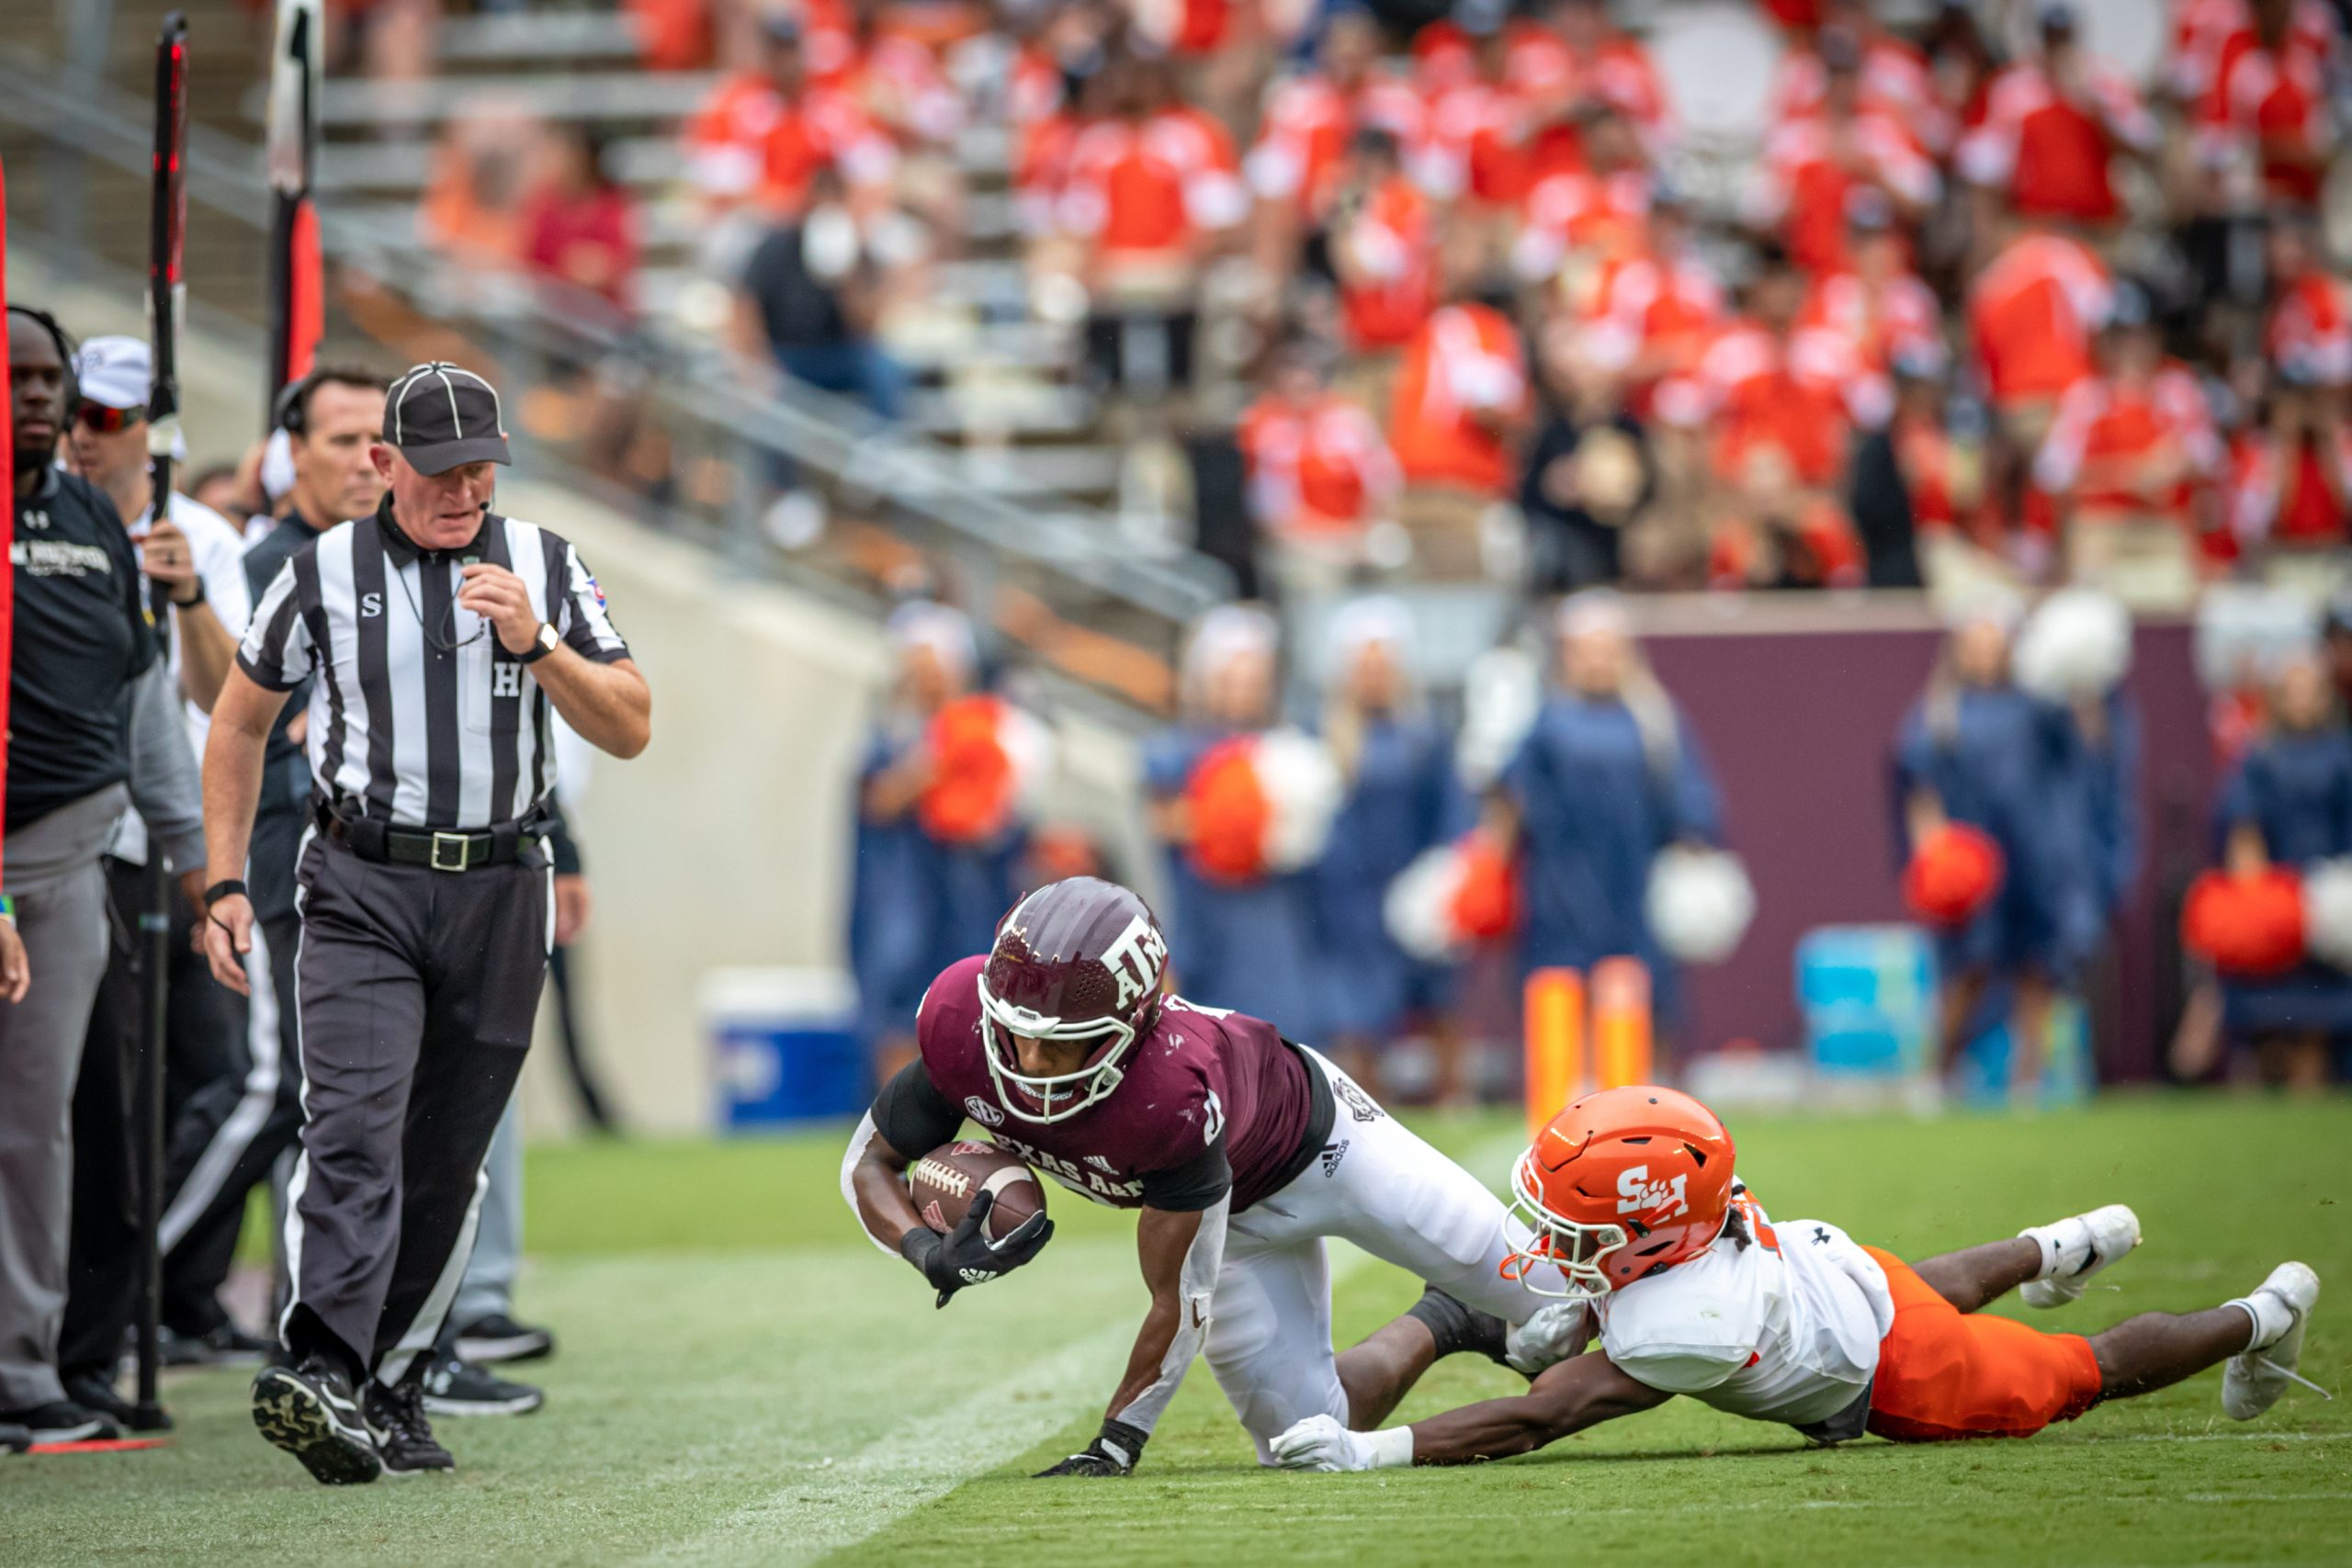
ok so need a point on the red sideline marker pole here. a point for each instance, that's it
(7, 531)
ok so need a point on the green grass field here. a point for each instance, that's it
(744, 1380)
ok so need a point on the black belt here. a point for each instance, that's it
(372, 839)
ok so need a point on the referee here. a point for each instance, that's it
(441, 634)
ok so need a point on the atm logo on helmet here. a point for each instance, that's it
(1135, 960)
(1637, 1195)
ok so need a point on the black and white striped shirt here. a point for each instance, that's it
(419, 716)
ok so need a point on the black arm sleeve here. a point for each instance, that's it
(912, 1116)
(1189, 1188)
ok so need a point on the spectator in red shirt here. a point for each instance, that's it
(1878, 304)
(1382, 248)
(2290, 488)
(2265, 132)
(1321, 478)
(1896, 77)
(2308, 333)
(2053, 127)
(2127, 461)
(1310, 119)
(579, 227)
(1457, 408)
(763, 132)
(1813, 164)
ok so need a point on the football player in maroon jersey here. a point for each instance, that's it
(1242, 1150)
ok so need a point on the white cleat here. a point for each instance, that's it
(2098, 1238)
(2256, 1376)
(1558, 1331)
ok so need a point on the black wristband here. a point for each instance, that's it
(1128, 1441)
(198, 583)
(917, 1246)
(224, 888)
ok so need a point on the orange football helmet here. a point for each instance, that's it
(1621, 1183)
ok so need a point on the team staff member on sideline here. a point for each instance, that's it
(196, 558)
(444, 638)
(229, 1136)
(80, 646)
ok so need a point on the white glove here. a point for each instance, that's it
(1558, 1331)
(1319, 1442)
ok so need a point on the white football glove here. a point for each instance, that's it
(1558, 1331)
(1319, 1442)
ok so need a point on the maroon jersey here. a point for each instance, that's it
(1210, 1099)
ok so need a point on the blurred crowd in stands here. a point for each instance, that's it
(1976, 305)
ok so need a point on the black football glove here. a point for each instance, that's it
(965, 1255)
(1114, 1452)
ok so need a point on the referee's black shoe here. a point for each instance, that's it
(403, 1437)
(454, 1386)
(311, 1413)
(489, 1340)
(15, 1440)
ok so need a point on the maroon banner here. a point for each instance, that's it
(1797, 705)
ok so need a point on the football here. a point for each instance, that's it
(944, 1181)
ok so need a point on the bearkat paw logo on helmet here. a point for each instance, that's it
(1637, 1195)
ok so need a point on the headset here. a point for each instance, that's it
(67, 350)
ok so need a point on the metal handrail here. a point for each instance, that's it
(830, 434)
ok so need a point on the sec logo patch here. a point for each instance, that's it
(980, 1111)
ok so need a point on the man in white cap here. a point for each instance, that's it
(194, 553)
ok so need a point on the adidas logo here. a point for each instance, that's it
(1332, 1155)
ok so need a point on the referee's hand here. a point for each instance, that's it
(228, 937)
(498, 596)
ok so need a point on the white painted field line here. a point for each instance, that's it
(825, 1508)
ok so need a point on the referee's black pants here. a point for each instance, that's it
(417, 990)
(227, 1137)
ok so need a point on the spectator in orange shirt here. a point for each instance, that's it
(2053, 127)
(1459, 404)
(2265, 133)
(1878, 305)
(1780, 404)
(1152, 188)
(2289, 488)
(1814, 163)
(1650, 316)
(1479, 119)
(2130, 455)
(1382, 248)
(2308, 333)
(762, 135)
(1607, 66)
(1321, 478)
(1294, 167)
(2031, 315)
(1896, 80)
(1596, 210)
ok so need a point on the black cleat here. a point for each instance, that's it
(487, 1341)
(310, 1411)
(14, 1439)
(455, 1387)
(226, 1346)
(94, 1391)
(403, 1437)
(62, 1421)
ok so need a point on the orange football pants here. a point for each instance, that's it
(1943, 1374)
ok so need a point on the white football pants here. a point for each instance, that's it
(1379, 1186)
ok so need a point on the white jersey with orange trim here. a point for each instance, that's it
(1784, 1327)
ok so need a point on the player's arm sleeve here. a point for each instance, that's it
(1197, 1184)
(275, 653)
(912, 1116)
(1195, 1285)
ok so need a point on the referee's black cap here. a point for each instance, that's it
(440, 416)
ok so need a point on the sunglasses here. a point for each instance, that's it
(100, 420)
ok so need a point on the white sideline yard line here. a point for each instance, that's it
(829, 1506)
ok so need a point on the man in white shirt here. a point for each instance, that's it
(1693, 1291)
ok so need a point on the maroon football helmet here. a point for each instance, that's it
(1076, 960)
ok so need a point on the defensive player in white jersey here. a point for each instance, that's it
(1692, 1291)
